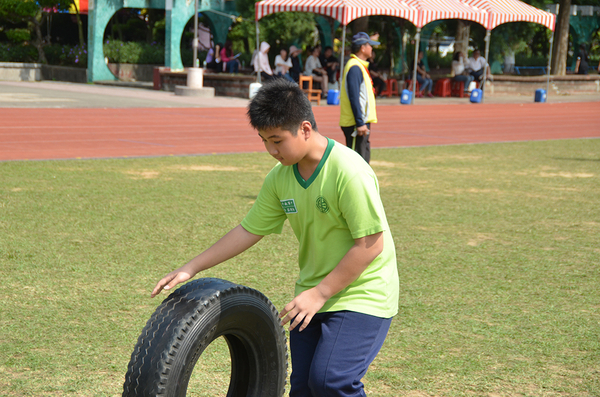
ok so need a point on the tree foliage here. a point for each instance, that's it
(30, 13)
(279, 30)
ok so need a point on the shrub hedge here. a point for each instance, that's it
(116, 51)
(17, 53)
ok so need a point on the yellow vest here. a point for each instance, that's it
(367, 97)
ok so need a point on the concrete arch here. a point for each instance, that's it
(177, 14)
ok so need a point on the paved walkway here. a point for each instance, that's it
(49, 94)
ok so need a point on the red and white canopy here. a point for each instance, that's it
(502, 11)
(433, 10)
(344, 11)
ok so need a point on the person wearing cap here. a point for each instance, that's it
(296, 68)
(357, 99)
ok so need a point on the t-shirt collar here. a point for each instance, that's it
(306, 183)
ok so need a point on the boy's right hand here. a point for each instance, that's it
(171, 280)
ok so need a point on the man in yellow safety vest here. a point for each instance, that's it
(357, 99)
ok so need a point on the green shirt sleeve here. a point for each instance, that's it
(361, 206)
(266, 215)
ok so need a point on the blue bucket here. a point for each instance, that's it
(476, 95)
(333, 97)
(540, 95)
(406, 97)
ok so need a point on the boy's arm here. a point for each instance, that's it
(304, 306)
(233, 243)
(354, 80)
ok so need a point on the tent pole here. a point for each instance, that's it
(257, 59)
(414, 79)
(549, 65)
(487, 52)
(342, 54)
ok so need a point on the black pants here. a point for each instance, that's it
(265, 76)
(362, 145)
(379, 85)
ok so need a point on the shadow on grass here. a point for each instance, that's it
(573, 159)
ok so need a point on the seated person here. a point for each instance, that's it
(378, 81)
(230, 64)
(423, 78)
(213, 59)
(261, 62)
(582, 66)
(459, 69)
(296, 68)
(283, 64)
(313, 68)
(331, 64)
(476, 65)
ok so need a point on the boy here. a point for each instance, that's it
(347, 290)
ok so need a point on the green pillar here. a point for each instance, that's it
(178, 13)
(99, 14)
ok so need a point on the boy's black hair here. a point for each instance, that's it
(280, 104)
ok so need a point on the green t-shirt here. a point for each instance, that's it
(337, 204)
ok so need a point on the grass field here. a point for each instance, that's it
(498, 253)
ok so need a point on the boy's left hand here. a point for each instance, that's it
(302, 308)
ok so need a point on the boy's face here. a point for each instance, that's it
(286, 148)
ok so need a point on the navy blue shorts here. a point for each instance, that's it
(332, 354)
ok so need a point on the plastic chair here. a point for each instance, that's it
(391, 88)
(313, 94)
(457, 89)
(442, 88)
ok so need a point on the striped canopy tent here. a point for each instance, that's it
(503, 11)
(344, 11)
(433, 10)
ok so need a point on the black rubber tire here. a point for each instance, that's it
(189, 320)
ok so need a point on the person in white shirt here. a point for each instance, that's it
(283, 64)
(460, 71)
(314, 68)
(476, 65)
(261, 62)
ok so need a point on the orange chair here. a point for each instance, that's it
(458, 88)
(312, 93)
(442, 88)
(391, 88)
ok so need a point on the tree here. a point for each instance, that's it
(79, 25)
(463, 32)
(31, 12)
(279, 30)
(561, 39)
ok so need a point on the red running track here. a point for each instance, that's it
(36, 134)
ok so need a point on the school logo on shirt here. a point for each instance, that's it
(289, 206)
(322, 204)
